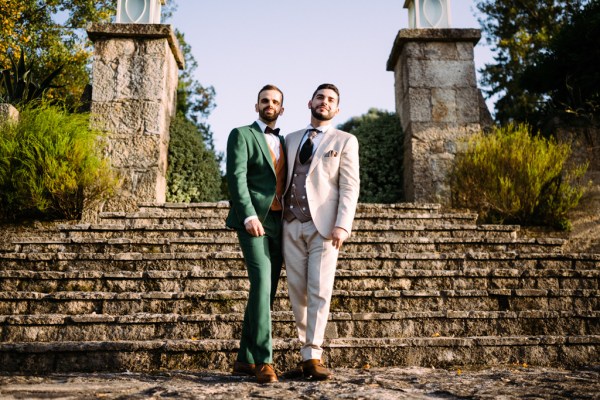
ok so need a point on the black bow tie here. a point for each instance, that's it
(275, 131)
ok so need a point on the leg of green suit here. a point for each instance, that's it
(263, 261)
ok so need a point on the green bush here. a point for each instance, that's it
(380, 138)
(512, 176)
(51, 165)
(193, 173)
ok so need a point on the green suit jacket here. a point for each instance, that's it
(250, 175)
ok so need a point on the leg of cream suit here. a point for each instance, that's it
(310, 266)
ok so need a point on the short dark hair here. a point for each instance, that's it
(269, 87)
(327, 86)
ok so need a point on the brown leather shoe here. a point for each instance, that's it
(265, 373)
(242, 368)
(313, 369)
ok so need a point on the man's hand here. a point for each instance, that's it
(254, 227)
(338, 235)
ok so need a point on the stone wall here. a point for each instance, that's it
(135, 74)
(439, 105)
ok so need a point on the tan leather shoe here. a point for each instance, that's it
(313, 369)
(265, 373)
(242, 368)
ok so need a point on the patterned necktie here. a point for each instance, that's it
(307, 148)
(275, 131)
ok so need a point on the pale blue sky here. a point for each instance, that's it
(241, 45)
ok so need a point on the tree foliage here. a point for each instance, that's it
(513, 176)
(380, 137)
(194, 100)
(193, 174)
(51, 35)
(518, 33)
(568, 74)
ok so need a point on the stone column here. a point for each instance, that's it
(438, 102)
(134, 86)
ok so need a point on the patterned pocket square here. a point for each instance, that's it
(331, 153)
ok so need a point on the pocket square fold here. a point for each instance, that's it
(331, 153)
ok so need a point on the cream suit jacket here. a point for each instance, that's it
(333, 182)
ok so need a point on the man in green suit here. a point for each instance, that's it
(256, 177)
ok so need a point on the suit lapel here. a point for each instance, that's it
(259, 136)
(327, 138)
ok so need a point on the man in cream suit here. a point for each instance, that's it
(320, 200)
(256, 173)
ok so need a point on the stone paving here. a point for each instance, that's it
(511, 382)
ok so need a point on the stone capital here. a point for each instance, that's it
(99, 31)
(430, 35)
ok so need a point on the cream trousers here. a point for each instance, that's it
(310, 262)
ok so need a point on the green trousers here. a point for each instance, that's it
(263, 259)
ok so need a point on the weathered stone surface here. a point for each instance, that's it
(133, 100)
(8, 113)
(438, 103)
(216, 354)
(415, 285)
(509, 382)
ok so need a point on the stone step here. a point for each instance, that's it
(352, 245)
(218, 230)
(106, 327)
(123, 303)
(231, 261)
(199, 280)
(222, 207)
(217, 212)
(189, 354)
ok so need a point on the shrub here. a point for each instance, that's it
(193, 173)
(51, 165)
(380, 137)
(512, 176)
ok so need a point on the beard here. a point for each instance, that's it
(326, 116)
(268, 117)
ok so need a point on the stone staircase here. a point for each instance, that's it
(165, 288)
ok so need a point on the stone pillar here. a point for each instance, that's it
(134, 86)
(438, 102)
(8, 113)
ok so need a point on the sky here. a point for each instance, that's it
(241, 45)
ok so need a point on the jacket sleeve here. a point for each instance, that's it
(349, 185)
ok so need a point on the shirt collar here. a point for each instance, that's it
(323, 128)
(261, 125)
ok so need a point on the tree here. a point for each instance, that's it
(518, 32)
(193, 173)
(51, 35)
(193, 162)
(194, 100)
(567, 75)
(380, 138)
